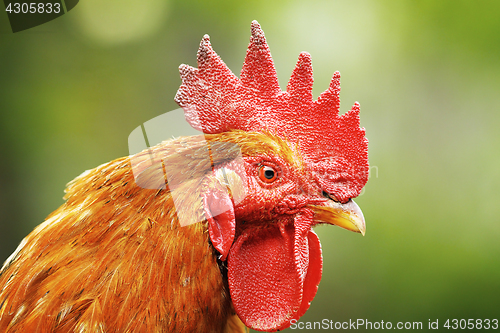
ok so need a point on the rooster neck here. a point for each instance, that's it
(113, 258)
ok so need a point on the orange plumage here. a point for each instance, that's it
(114, 259)
(115, 256)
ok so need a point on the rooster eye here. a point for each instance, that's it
(267, 174)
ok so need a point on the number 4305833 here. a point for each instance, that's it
(33, 8)
(471, 324)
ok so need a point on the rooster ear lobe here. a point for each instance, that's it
(219, 212)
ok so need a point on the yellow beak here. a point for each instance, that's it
(347, 216)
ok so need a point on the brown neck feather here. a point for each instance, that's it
(113, 258)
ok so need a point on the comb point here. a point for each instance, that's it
(186, 70)
(335, 82)
(301, 81)
(256, 30)
(355, 107)
(204, 50)
(258, 72)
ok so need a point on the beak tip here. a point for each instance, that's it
(362, 228)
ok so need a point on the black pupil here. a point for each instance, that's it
(269, 173)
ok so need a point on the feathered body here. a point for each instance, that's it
(116, 257)
(113, 258)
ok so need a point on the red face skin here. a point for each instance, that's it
(290, 193)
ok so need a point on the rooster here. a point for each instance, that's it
(223, 243)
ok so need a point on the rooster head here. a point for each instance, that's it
(302, 163)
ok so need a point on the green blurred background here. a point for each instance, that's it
(427, 75)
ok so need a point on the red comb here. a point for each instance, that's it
(215, 100)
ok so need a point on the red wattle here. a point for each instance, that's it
(219, 213)
(308, 259)
(273, 275)
(314, 272)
